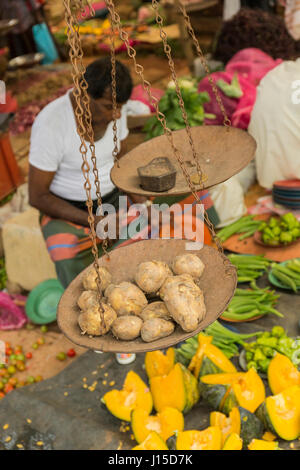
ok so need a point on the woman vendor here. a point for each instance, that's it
(56, 183)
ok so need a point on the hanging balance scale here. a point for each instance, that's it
(202, 157)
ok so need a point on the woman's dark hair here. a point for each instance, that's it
(255, 28)
(98, 77)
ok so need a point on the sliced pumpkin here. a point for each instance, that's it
(209, 359)
(209, 439)
(281, 413)
(165, 423)
(257, 444)
(268, 436)
(240, 421)
(135, 394)
(152, 442)
(225, 391)
(178, 390)
(157, 363)
(228, 426)
(233, 442)
(282, 374)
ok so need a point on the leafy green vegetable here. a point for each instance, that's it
(233, 89)
(169, 105)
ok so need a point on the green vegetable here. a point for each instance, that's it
(169, 105)
(278, 331)
(249, 303)
(249, 267)
(233, 89)
(223, 338)
(246, 225)
(283, 231)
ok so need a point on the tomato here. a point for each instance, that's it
(41, 341)
(2, 395)
(20, 365)
(11, 370)
(20, 357)
(8, 351)
(39, 378)
(71, 352)
(20, 384)
(8, 388)
(28, 355)
(35, 345)
(1, 385)
(3, 372)
(61, 356)
(12, 381)
(44, 329)
(30, 379)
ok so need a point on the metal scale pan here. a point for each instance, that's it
(224, 152)
(218, 284)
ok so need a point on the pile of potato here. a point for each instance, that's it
(127, 312)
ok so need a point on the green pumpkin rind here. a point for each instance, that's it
(191, 389)
(212, 394)
(251, 428)
(208, 367)
(230, 402)
(172, 441)
(262, 415)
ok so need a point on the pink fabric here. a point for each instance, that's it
(250, 65)
(139, 94)
(230, 104)
(11, 316)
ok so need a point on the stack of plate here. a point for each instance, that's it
(287, 193)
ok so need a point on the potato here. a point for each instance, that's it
(184, 300)
(188, 263)
(126, 298)
(88, 298)
(156, 328)
(151, 275)
(127, 327)
(89, 278)
(155, 310)
(90, 320)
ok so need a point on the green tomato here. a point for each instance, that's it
(11, 370)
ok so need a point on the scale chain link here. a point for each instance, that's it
(84, 125)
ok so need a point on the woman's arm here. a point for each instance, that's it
(42, 199)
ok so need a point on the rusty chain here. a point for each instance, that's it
(190, 29)
(168, 52)
(84, 125)
(139, 70)
(114, 91)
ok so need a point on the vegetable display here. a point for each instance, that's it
(168, 105)
(242, 417)
(178, 389)
(280, 231)
(135, 394)
(165, 423)
(225, 391)
(287, 274)
(280, 413)
(249, 267)
(226, 340)
(282, 374)
(260, 353)
(239, 421)
(246, 226)
(248, 304)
